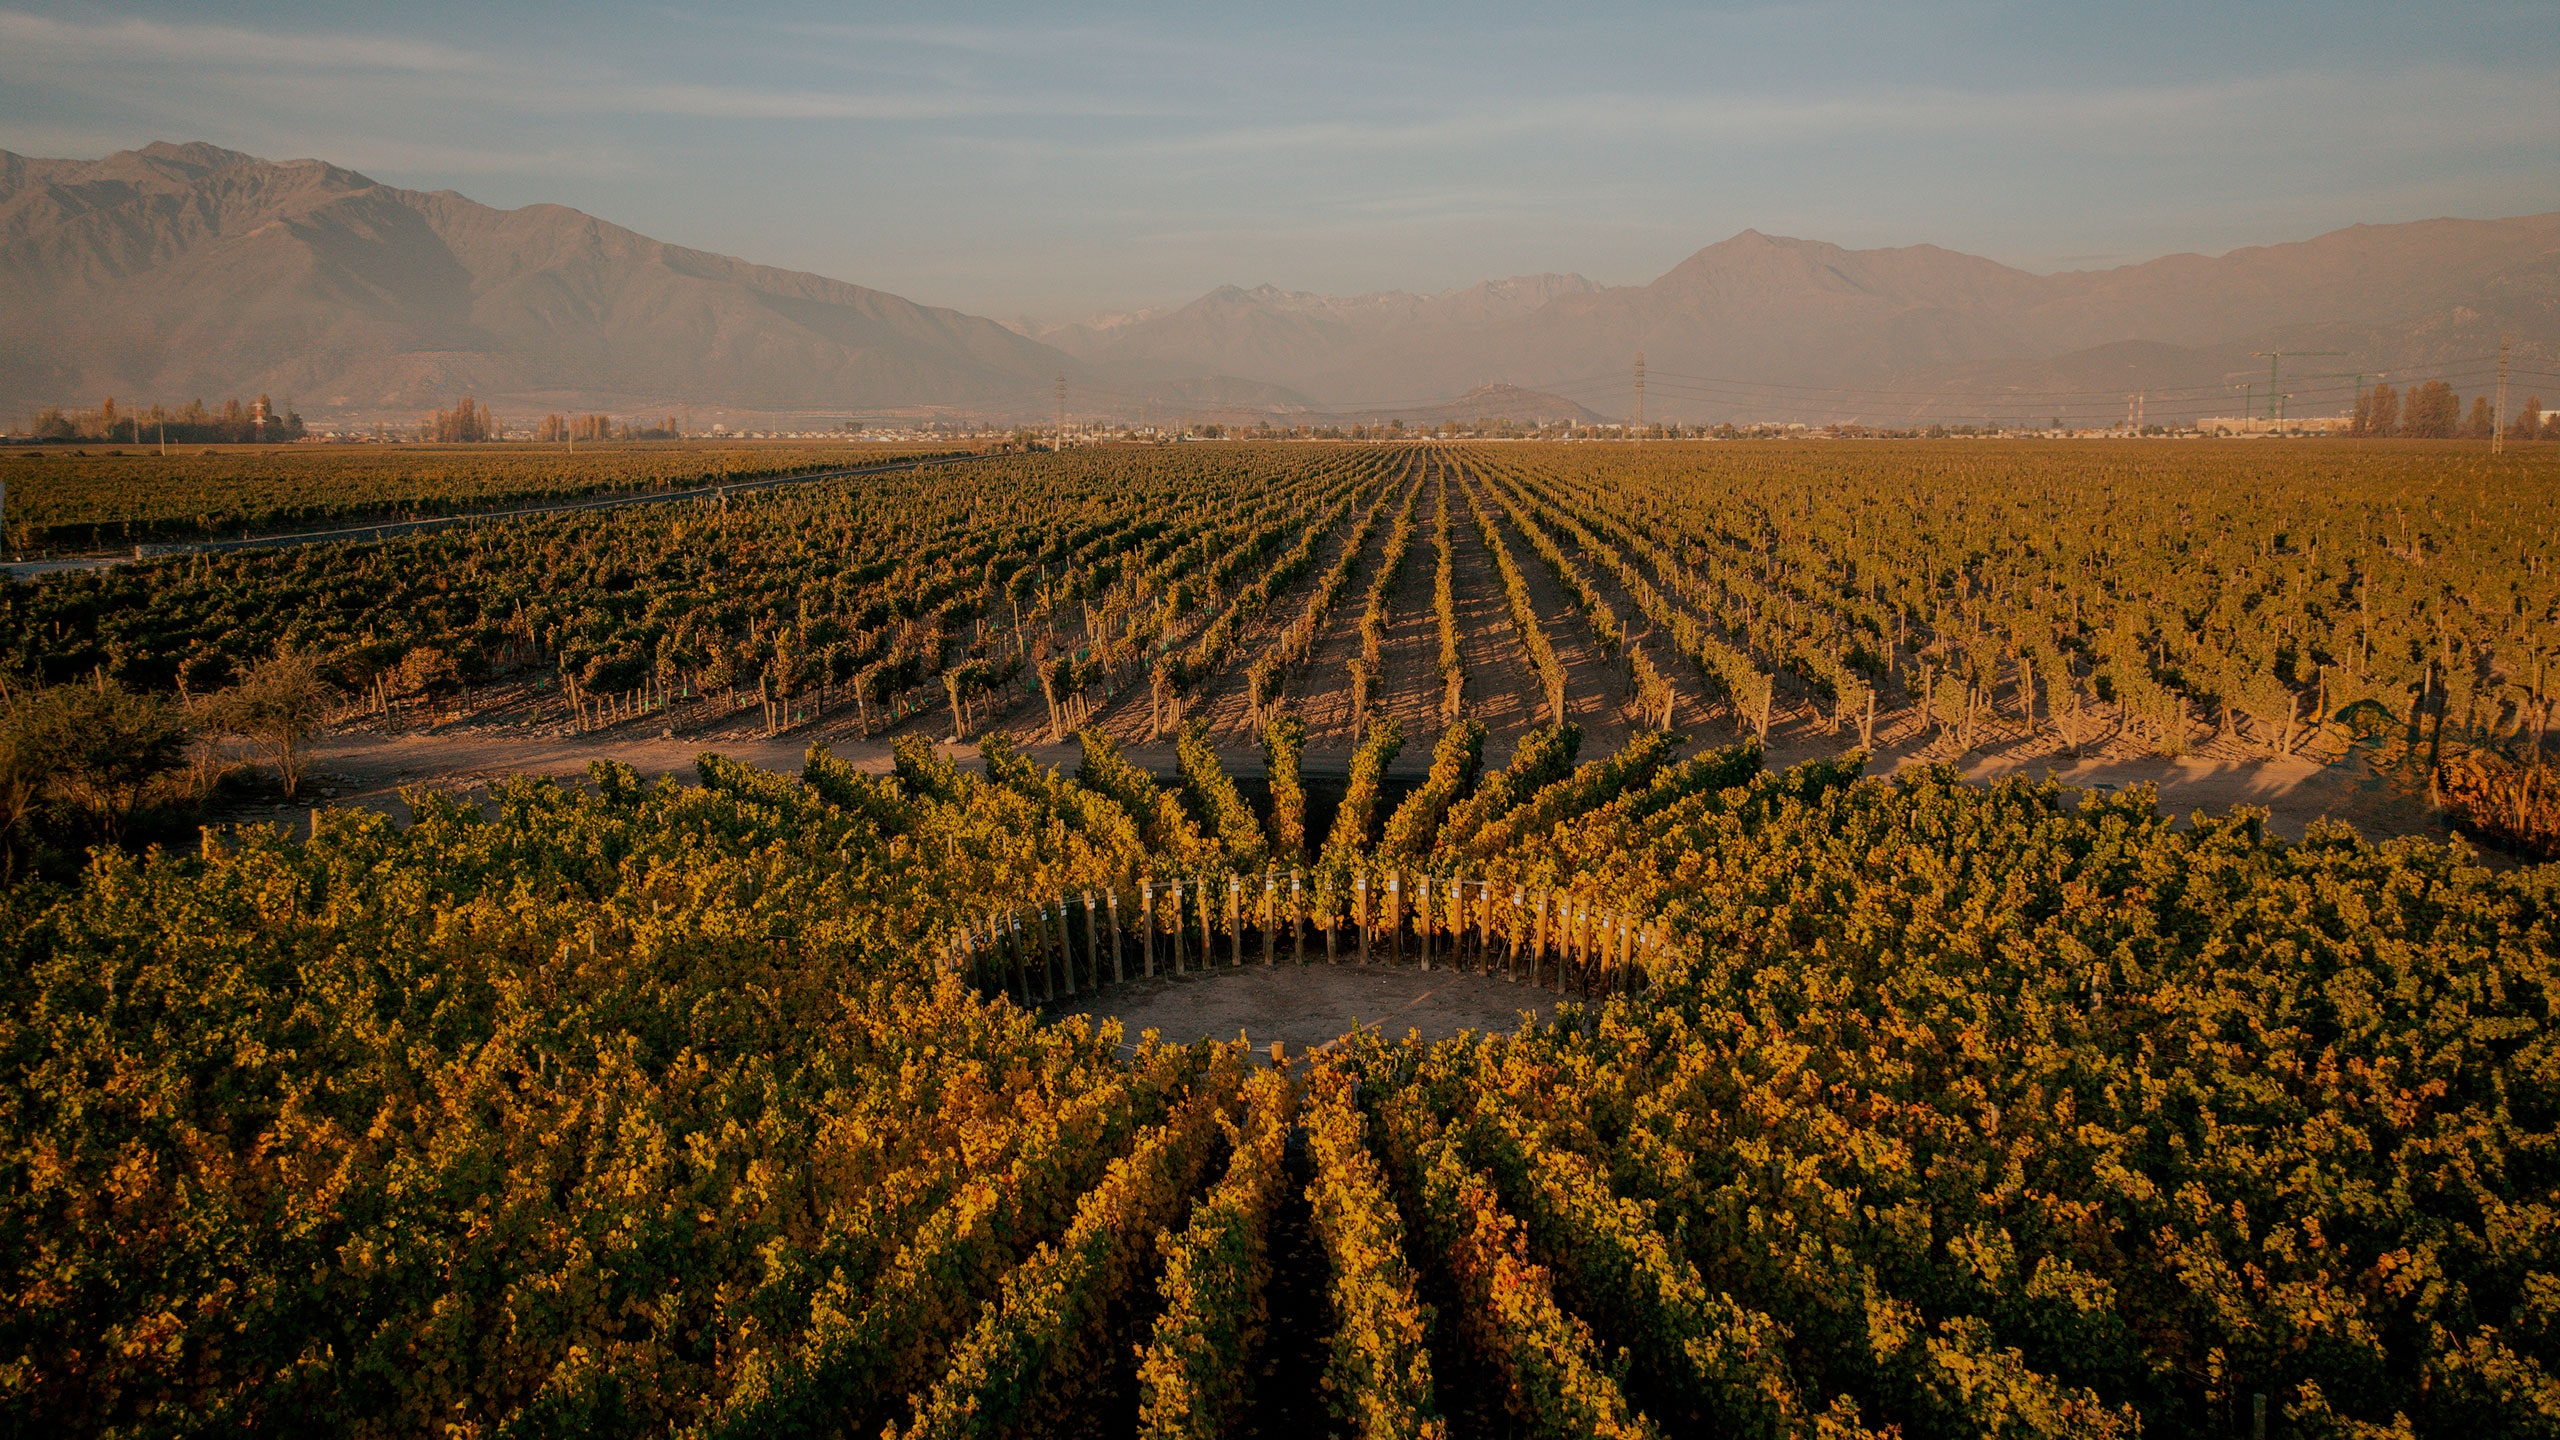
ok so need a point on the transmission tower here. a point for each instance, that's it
(1639, 394)
(2498, 419)
(1062, 414)
(2275, 358)
(2358, 412)
(2358, 376)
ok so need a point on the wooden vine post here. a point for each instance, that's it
(1270, 914)
(1035, 943)
(1360, 911)
(1092, 949)
(1511, 939)
(1147, 924)
(1111, 902)
(1001, 956)
(1538, 942)
(1021, 957)
(1066, 947)
(1297, 918)
(1040, 947)
(1422, 916)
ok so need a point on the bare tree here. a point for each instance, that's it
(278, 707)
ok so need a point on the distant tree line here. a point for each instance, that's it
(601, 427)
(467, 421)
(2433, 411)
(192, 423)
(470, 421)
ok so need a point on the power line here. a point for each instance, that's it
(1797, 397)
(2453, 368)
(2498, 416)
(2275, 358)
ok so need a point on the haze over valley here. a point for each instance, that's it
(184, 270)
(1806, 719)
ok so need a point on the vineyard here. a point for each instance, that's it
(1871, 1106)
(1932, 602)
(1863, 1103)
(83, 501)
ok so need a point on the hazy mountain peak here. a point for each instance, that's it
(192, 157)
(181, 270)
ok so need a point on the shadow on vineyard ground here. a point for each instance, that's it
(368, 768)
(1595, 684)
(1288, 1398)
(1469, 1392)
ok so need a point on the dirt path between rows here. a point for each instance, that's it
(1321, 693)
(1692, 711)
(1409, 654)
(1595, 684)
(1502, 690)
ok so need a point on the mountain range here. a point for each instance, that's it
(190, 270)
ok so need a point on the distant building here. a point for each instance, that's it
(2261, 425)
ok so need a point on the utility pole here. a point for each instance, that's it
(2498, 418)
(2275, 358)
(2358, 411)
(1639, 395)
(2141, 409)
(1062, 413)
(2359, 376)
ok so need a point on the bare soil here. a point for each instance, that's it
(1307, 1006)
(369, 766)
(1595, 683)
(1502, 690)
(1322, 692)
(520, 728)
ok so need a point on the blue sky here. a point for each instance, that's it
(1018, 160)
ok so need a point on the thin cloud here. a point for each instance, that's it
(250, 64)
(756, 103)
(136, 41)
(2483, 108)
